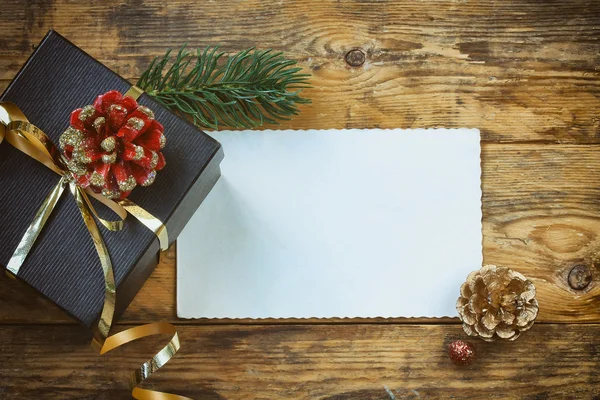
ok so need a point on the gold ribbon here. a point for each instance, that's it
(29, 139)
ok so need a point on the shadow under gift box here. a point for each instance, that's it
(63, 264)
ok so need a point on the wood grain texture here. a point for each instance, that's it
(519, 70)
(524, 72)
(310, 362)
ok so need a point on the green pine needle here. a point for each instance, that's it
(244, 90)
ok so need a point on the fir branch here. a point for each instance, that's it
(244, 90)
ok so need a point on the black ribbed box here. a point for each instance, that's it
(63, 265)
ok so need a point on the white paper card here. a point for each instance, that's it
(336, 223)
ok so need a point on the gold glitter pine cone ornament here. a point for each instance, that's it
(114, 145)
(497, 302)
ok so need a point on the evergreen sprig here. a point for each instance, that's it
(244, 90)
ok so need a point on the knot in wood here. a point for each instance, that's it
(355, 57)
(580, 277)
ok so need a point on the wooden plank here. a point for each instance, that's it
(308, 362)
(517, 70)
(541, 216)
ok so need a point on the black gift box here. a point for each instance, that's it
(63, 264)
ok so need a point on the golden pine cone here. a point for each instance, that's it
(497, 302)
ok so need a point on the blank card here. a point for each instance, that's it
(335, 223)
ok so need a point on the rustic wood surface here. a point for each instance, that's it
(341, 362)
(525, 72)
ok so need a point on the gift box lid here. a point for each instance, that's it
(63, 265)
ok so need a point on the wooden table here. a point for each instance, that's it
(526, 73)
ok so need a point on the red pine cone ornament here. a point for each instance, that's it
(114, 145)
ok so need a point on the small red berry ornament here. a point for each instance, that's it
(461, 352)
(113, 145)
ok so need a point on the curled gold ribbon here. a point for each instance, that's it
(29, 139)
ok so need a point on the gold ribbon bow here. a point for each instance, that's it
(29, 139)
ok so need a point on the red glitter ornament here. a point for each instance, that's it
(461, 352)
(113, 145)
